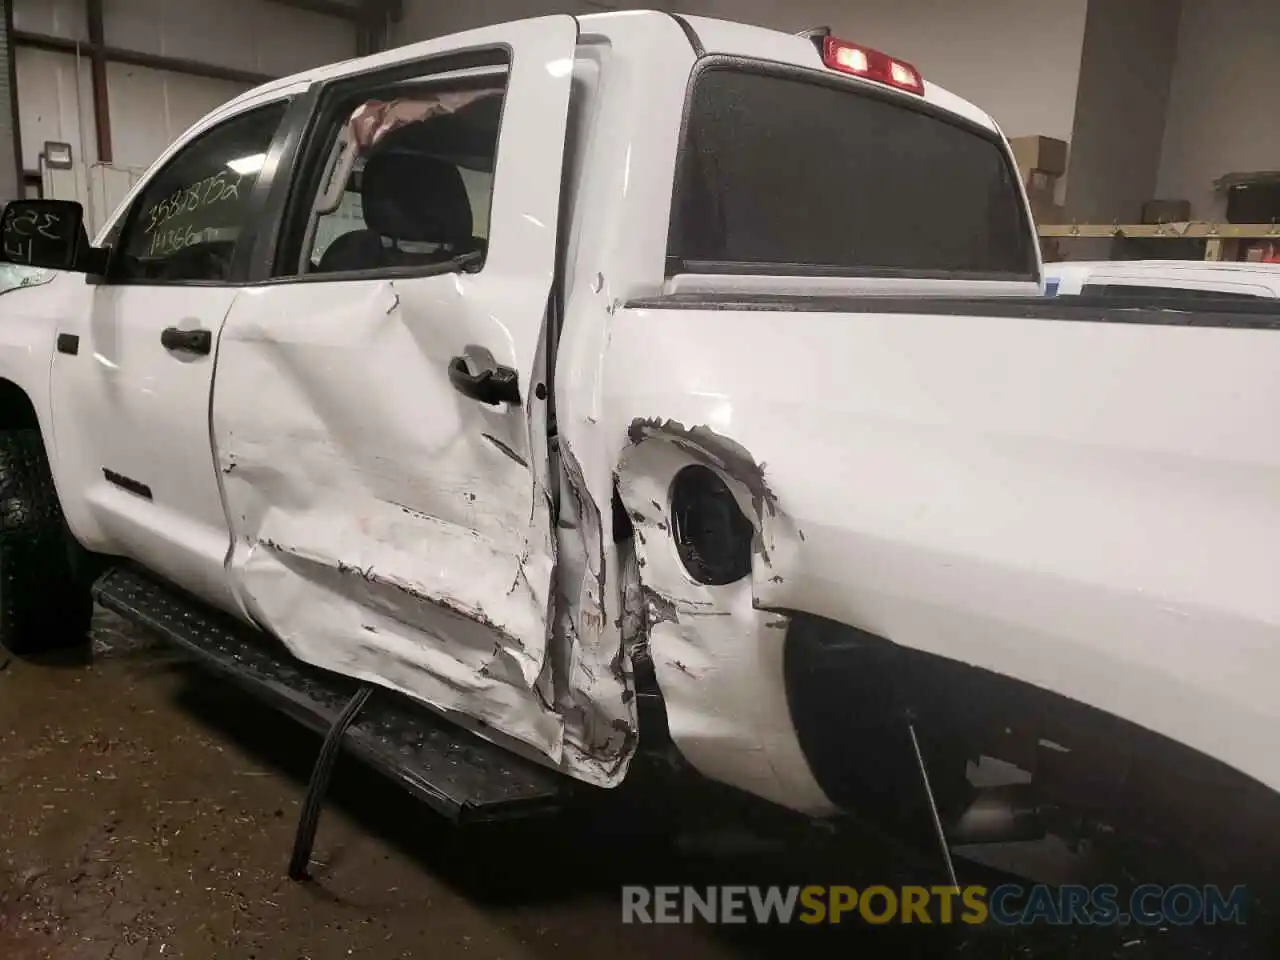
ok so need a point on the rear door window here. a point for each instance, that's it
(795, 174)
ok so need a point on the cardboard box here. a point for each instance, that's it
(1041, 182)
(1040, 153)
(1166, 211)
(1043, 207)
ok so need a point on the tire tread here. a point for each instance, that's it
(42, 605)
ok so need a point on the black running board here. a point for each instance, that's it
(459, 774)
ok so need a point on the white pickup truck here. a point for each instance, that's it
(593, 385)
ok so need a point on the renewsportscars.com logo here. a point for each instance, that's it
(1007, 905)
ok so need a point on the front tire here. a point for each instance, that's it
(43, 605)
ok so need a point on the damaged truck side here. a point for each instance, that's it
(631, 382)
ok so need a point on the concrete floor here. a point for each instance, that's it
(147, 810)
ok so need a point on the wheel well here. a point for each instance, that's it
(851, 693)
(16, 409)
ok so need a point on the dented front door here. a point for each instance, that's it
(386, 524)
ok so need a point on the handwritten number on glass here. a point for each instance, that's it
(208, 192)
(167, 242)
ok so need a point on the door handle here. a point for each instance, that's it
(493, 386)
(190, 341)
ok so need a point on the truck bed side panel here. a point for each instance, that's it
(1085, 501)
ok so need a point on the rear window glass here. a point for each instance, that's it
(791, 176)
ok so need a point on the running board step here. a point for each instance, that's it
(457, 773)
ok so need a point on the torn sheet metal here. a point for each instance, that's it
(595, 686)
(398, 534)
(718, 660)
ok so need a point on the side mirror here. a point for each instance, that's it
(48, 234)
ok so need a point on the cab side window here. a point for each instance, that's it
(186, 222)
(402, 176)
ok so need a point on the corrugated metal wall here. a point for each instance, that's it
(10, 179)
(148, 108)
(1222, 115)
(59, 18)
(55, 102)
(251, 35)
(100, 187)
(151, 108)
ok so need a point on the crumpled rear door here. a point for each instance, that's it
(386, 525)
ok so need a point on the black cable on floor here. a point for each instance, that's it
(304, 840)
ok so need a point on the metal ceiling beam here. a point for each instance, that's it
(370, 18)
(98, 79)
(193, 68)
(373, 29)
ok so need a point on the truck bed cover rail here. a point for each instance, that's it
(1156, 310)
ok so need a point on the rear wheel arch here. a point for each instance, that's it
(1099, 777)
(645, 534)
